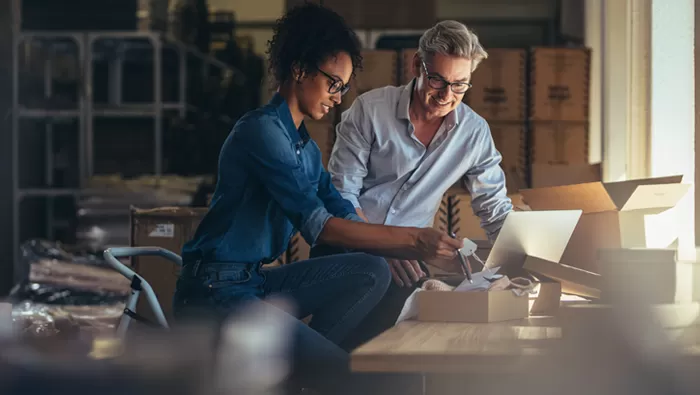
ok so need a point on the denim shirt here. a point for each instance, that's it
(271, 183)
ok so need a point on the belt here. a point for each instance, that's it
(215, 270)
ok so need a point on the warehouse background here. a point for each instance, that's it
(97, 136)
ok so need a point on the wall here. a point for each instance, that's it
(673, 99)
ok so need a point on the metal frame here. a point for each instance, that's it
(86, 111)
(138, 283)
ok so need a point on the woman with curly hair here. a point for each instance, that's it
(271, 182)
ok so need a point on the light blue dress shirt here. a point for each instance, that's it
(380, 166)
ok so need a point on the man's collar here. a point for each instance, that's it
(285, 115)
(405, 103)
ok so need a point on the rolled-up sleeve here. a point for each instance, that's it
(486, 183)
(269, 155)
(334, 202)
(348, 162)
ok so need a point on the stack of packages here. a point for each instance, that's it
(66, 293)
(559, 86)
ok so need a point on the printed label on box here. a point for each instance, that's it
(163, 230)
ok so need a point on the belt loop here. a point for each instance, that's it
(195, 267)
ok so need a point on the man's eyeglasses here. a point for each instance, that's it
(336, 84)
(437, 82)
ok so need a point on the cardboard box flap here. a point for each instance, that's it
(591, 197)
(656, 196)
(621, 192)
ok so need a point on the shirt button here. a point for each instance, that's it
(393, 211)
(298, 152)
(405, 187)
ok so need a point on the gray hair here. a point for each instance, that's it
(452, 38)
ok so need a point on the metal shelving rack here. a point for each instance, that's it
(85, 111)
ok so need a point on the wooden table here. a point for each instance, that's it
(427, 347)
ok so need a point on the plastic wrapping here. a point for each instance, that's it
(66, 292)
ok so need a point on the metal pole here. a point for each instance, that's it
(158, 104)
(88, 142)
(183, 81)
(16, 41)
(48, 92)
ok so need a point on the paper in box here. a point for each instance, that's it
(525, 236)
(628, 214)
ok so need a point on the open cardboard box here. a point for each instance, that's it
(525, 236)
(628, 214)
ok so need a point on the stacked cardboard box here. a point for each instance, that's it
(559, 86)
(379, 69)
(498, 95)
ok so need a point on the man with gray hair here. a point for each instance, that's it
(399, 149)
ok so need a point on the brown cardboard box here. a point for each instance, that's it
(511, 141)
(407, 65)
(379, 68)
(559, 79)
(628, 214)
(652, 275)
(463, 222)
(557, 175)
(323, 133)
(520, 241)
(498, 91)
(169, 228)
(573, 280)
(559, 143)
(476, 307)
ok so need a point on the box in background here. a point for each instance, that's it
(463, 221)
(407, 65)
(559, 143)
(653, 276)
(556, 175)
(379, 68)
(559, 84)
(511, 141)
(498, 91)
(323, 133)
(628, 214)
(165, 227)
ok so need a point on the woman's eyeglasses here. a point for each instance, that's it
(439, 83)
(336, 84)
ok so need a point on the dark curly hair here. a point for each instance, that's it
(306, 36)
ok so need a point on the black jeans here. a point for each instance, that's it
(338, 291)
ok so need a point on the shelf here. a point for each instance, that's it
(42, 113)
(47, 192)
(133, 110)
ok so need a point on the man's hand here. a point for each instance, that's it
(431, 243)
(405, 273)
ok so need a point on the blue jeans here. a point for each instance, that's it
(338, 291)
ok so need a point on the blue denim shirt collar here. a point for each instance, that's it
(300, 135)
